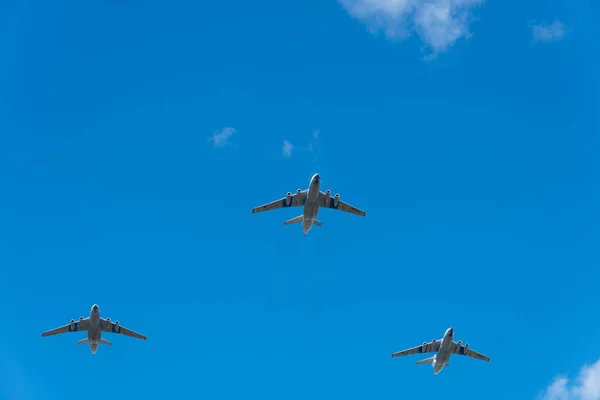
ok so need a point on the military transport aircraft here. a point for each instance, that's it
(312, 199)
(444, 348)
(94, 325)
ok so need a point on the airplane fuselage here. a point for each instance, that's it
(443, 355)
(311, 207)
(94, 330)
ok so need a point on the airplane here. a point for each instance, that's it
(312, 199)
(94, 325)
(443, 349)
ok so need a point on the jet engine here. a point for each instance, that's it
(81, 318)
(336, 200)
(466, 346)
(327, 197)
(107, 319)
(288, 198)
(299, 191)
(424, 344)
(459, 343)
(434, 340)
(72, 324)
(116, 326)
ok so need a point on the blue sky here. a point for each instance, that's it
(135, 138)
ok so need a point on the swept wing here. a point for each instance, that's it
(75, 326)
(334, 202)
(109, 326)
(466, 351)
(293, 200)
(427, 347)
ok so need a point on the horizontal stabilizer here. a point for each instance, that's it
(294, 220)
(426, 361)
(104, 341)
(83, 341)
(317, 223)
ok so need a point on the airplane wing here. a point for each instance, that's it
(431, 347)
(466, 351)
(293, 200)
(330, 202)
(108, 326)
(75, 326)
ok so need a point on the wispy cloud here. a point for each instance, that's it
(314, 147)
(311, 144)
(221, 138)
(439, 23)
(287, 149)
(314, 141)
(586, 386)
(548, 32)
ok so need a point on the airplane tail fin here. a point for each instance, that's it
(83, 341)
(296, 220)
(299, 219)
(104, 341)
(426, 361)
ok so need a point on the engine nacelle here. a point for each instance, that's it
(327, 197)
(466, 346)
(336, 200)
(459, 343)
(81, 318)
(117, 326)
(72, 324)
(107, 319)
(424, 344)
(299, 191)
(288, 198)
(434, 340)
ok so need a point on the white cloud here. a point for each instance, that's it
(557, 390)
(548, 32)
(287, 148)
(585, 387)
(439, 23)
(221, 138)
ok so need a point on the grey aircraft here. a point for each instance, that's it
(312, 199)
(94, 325)
(443, 349)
